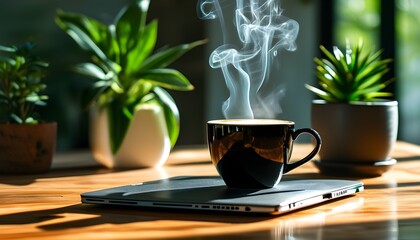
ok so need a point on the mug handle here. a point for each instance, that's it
(295, 134)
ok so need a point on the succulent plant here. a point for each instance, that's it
(355, 75)
(21, 74)
(126, 68)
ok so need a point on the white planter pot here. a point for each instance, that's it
(146, 143)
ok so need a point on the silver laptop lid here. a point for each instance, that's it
(210, 193)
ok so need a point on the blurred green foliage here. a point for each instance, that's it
(357, 19)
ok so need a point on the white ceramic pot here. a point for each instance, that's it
(146, 143)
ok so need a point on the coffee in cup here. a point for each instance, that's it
(255, 153)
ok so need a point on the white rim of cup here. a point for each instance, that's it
(251, 122)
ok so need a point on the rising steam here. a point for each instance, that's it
(262, 31)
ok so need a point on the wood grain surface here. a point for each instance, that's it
(47, 206)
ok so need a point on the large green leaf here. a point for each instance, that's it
(163, 58)
(171, 113)
(92, 70)
(136, 39)
(118, 121)
(90, 35)
(129, 23)
(167, 78)
(142, 49)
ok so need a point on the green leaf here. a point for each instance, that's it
(163, 58)
(145, 44)
(342, 61)
(118, 124)
(128, 27)
(355, 56)
(16, 119)
(7, 61)
(90, 35)
(373, 89)
(322, 94)
(91, 70)
(171, 113)
(373, 95)
(10, 49)
(330, 82)
(36, 99)
(374, 57)
(372, 79)
(327, 69)
(138, 90)
(330, 57)
(92, 93)
(41, 64)
(331, 89)
(136, 11)
(31, 120)
(375, 68)
(167, 78)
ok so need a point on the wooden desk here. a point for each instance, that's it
(47, 206)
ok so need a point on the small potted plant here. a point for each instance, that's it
(27, 144)
(135, 121)
(356, 121)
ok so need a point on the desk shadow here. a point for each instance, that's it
(407, 159)
(390, 185)
(290, 229)
(119, 215)
(367, 186)
(189, 163)
(26, 179)
(315, 175)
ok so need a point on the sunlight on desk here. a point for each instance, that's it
(47, 206)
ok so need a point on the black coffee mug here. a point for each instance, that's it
(255, 153)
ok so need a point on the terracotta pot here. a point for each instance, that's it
(27, 148)
(146, 143)
(357, 138)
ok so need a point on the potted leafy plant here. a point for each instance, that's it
(136, 121)
(357, 123)
(27, 144)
